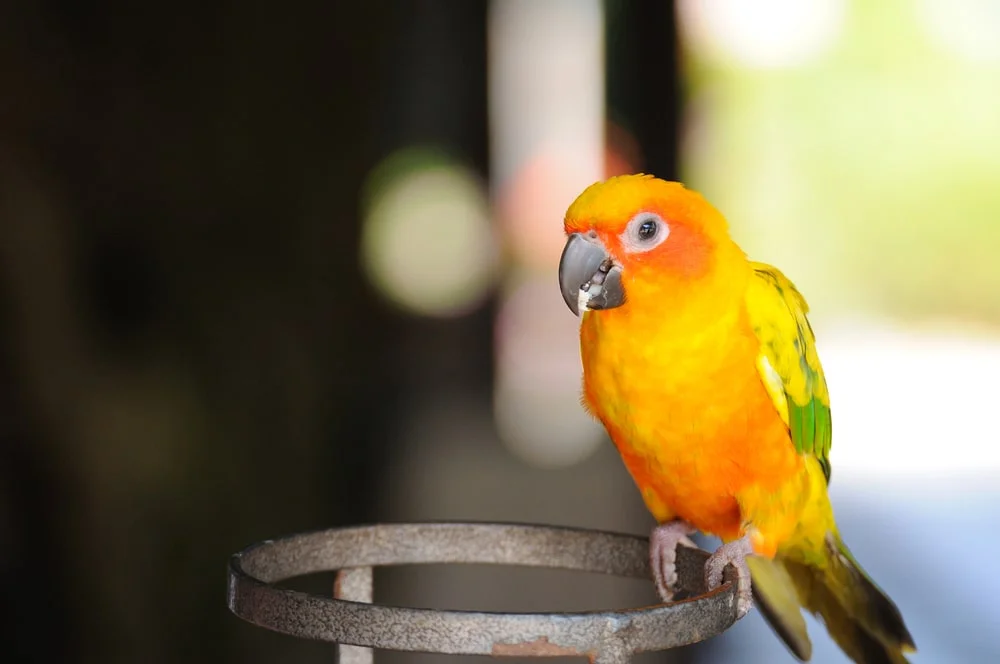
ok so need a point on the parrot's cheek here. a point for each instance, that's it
(588, 277)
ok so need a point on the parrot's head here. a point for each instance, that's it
(634, 237)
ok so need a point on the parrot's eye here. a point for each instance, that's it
(645, 231)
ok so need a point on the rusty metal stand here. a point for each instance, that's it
(351, 620)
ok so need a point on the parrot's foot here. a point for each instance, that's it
(732, 553)
(663, 543)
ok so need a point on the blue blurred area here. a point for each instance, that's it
(931, 546)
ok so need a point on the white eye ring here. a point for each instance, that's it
(644, 231)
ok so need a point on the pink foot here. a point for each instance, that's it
(732, 553)
(663, 543)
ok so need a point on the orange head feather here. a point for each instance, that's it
(670, 243)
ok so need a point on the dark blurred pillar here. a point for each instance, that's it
(434, 79)
(644, 79)
(38, 626)
(191, 358)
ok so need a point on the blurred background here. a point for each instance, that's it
(268, 270)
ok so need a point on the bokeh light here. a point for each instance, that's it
(546, 97)
(427, 242)
(968, 29)
(537, 398)
(762, 34)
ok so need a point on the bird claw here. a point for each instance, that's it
(663, 543)
(732, 553)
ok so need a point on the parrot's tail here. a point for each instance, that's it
(863, 621)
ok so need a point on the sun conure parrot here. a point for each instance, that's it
(702, 366)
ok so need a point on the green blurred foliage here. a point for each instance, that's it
(868, 174)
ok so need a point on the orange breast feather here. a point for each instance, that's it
(690, 418)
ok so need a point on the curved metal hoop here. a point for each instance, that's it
(350, 618)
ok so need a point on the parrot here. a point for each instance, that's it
(702, 367)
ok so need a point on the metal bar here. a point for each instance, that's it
(608, 636)
(612, 655)
(354, 584)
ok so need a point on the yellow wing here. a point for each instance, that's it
(788, 363)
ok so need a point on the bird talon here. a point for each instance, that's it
(732, 553)
(663, 543)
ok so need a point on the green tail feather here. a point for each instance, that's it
(862, 620)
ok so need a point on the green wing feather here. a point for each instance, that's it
(788, 363)
(859, 616)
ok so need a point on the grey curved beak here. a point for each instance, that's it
(588, 278)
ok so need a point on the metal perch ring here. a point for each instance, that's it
(352, 620)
